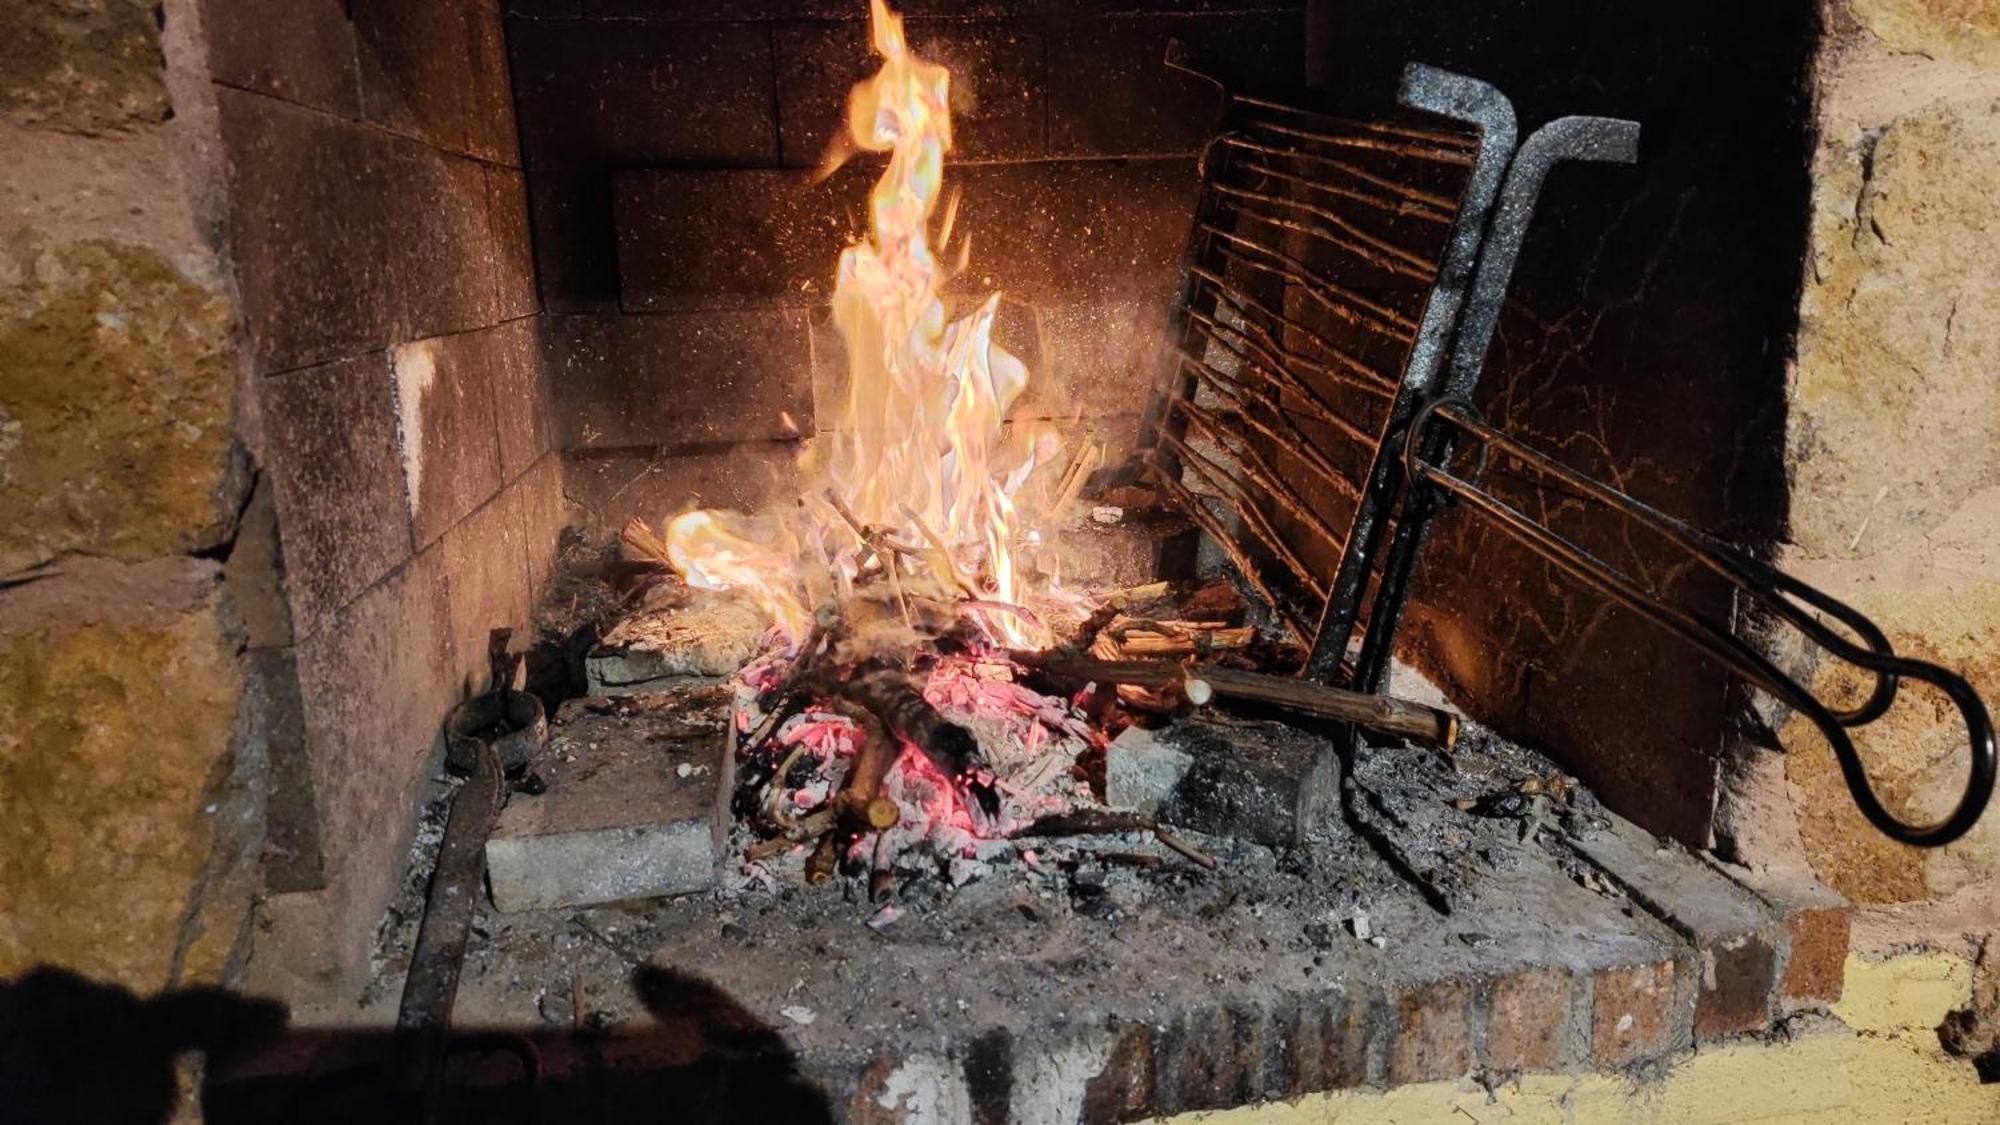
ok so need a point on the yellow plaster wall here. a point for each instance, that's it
(1883, 1066)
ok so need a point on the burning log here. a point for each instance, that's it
(885, 689)
(1388, 714)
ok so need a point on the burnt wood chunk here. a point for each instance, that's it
(1258, 781)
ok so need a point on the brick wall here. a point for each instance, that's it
(378, 224)
(686, 253)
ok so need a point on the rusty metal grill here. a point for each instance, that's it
(1342, 287)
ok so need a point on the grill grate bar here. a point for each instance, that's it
(1348, 306)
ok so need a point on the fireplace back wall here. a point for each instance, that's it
(686, 253)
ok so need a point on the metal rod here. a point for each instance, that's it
(1416, 151)
(1492, 116)
(1294, 441)
(1336, 299)
(1319, 407)
(1739, 657)
(1232, 493)
(1602, 139)
(1195, 510)
(1413, 201)
(1261, 473)
(1368, 247)
(1361, 376)
(1409, 132)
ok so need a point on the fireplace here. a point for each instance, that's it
(1031, 562)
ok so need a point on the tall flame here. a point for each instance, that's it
(920, 447)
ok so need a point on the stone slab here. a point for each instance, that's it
(631, 811)
(697, 634)
(1141, 770)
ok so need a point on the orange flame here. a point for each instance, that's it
(921, 445)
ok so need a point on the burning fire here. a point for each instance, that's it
(919, 451)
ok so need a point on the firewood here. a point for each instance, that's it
(1376, 712)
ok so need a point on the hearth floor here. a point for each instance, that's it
(1074, 987)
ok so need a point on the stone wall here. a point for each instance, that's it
(1894, 444)
(274, 457)
(378, 223)
(684, 244)
(129, 764)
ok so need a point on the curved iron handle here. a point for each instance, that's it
(1773, 587)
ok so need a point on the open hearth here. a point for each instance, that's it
(998, 561)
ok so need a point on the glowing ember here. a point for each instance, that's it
(919, 448)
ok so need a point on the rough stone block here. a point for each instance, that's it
(1110, 93)
(1140, 771)
(1433, 1039)
(342, 509)
(595, 96)
(119, 689)
(115, 405)
(298, 50)
(84, 68)
(1527, 1021)
(621, 382)
(445, 410)
(1734, 932)
(996, 83)
(1633, 1014)
(623, 820)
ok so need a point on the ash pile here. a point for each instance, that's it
(903, 747)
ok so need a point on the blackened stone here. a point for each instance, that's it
(724, 239)
(446, 410)
(511, 356)
(307, 228)
(996, 84)
(1111, 94)
(507, 211)
(1056, 231)
(416, 64)
(338, 472)
(298, 50)
(612, 486)
(1264, 782)
(596, 96)
(703, 378)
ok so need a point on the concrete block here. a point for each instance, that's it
(1140, 771)
(624, 817)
